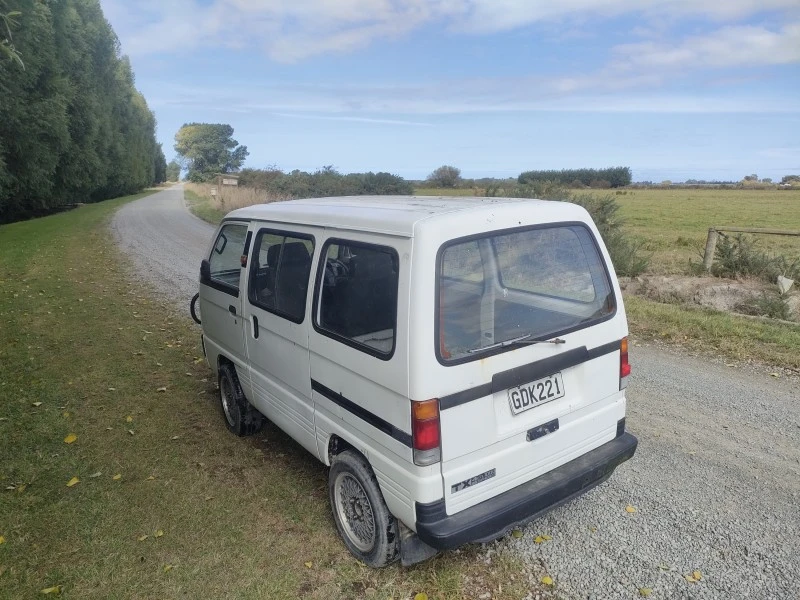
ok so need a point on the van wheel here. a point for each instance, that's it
(369, 531)
(240, 416)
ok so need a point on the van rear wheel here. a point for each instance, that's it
(240, 416)
(367, 527)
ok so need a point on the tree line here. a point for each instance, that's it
(611, 177)
(326, 181)
(73, 126)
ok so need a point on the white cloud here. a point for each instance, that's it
(396, 104)
(294, 30)
(742, 46)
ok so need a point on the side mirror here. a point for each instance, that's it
(205, 271)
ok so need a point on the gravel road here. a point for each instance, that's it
(715, 482)
(165, 241)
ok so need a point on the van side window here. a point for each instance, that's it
(279, 273)
(358, 296)
(225, 259)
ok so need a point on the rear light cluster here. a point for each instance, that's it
(624, 365)
(425, 432)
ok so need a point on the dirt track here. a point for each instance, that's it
(715, 482)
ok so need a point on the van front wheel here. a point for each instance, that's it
(369, 531)
(240, 416)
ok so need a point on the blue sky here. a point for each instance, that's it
(675, 89)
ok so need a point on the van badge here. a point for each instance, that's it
(473, 481)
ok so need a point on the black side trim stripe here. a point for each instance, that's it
(527, 373)
(363, 414)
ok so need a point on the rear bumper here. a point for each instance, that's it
(494, 517)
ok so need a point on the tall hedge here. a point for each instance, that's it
(73, 127)
(611, 177)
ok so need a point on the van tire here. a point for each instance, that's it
(239, 415)
(354, 496)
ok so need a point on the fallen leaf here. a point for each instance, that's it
(158, 533)
(112, 389)
(21, 488)
(70, 438)
(2, 540)
(209, 498)
(129, 419)
(421, 596)
(538, 540)
(67, 414)
(690, 579)
(37, 404)
(73, 481)
(547, 580)
(151, 478)
(309, 564)
(130, 431)
(546, 537)
(56, 589)
(161, 389)
(664, 567)
(645, 592)
(117, 477)
(167, 568)
(593, 529)
(630, 509)
(175, 437)
(516, 533)
(697, 575)
(93, 475)
(142, 538)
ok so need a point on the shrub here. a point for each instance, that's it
(771, 305)
(445, 176)
(737, 256)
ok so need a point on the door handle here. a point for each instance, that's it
(232, 310)
(255, 326)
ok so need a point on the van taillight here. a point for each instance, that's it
(624, 365)
(425, 432)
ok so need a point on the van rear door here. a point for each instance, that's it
(529, 316)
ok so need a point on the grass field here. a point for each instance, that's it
(167, 503)
(674, 223)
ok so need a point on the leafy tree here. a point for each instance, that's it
(445, 176)
(208, 149)
(173, 171)
(73, 127)
(7, 49)
(790, 179)
(160, 165)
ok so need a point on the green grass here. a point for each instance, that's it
(714, 332)
(675, 223)
(241, 518)
(203, 207)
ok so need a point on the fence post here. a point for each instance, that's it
(711, 247)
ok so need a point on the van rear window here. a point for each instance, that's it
(533, 284)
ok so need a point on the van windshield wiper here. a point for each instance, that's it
(522, 339)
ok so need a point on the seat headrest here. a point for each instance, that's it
(295, 253)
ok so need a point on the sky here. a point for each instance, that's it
(674, 89)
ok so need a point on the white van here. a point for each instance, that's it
(459, 363)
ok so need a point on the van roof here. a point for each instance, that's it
(394, 215)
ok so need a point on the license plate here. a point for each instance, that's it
(535, 393)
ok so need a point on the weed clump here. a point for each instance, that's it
(771, 305)
(737, 256)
